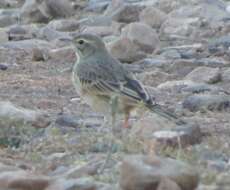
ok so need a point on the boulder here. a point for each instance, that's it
(142, 35)
(3, 36)
(123, 12)
(207, 101)
(59, 8)
(167, 184)
(179, 136)
(226, 75)
(8, 17)
(34, 11)
(103, 31)
(25, 180)
(145, 172)
(155, 77)
(205, 75)
(31, 49)
(186, 27)
(167, 6)
(49, 34)
(22, 32)
(152, 16)
(9, 3)
(42, 11)
(97, 5)
(64, 25)
(125, 50)
(10, 113)
(3, 66)
(188, 86)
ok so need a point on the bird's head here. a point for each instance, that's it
(88, 44)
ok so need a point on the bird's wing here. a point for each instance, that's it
(104, 81)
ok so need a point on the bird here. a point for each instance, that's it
(98, 76)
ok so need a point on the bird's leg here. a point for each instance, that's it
(114, 104)
(126, 122)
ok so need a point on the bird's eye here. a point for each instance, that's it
(81, 42)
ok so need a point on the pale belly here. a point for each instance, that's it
(98, 103)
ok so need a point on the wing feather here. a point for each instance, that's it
(100, 78)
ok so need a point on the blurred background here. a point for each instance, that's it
(50, 140)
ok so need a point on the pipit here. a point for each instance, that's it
(98, 77)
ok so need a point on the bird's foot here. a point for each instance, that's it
(126, 125)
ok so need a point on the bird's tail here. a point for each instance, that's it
(166, 114)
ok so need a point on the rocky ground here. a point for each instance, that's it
(50, 140)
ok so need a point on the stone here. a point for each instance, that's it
(11, 114)
(59, 8)
(24, 180)
(142, 35)
(212, 62)
(41, 11)
(8, 17)
(226, 75)
(125, 50)
(31, 49)
(186, 11)
(180, 27)
(205, 75)
(101, 30)
(223, 181)
(27, 180)
(89, 169)
(50, 34)
(122, 12)
(201, 88)
(34, 11)
(100, 20)
(218, 165)
(180, 136)
(167, 6)
(155, 77)
(3, 66)
(3, 36)
(152, 63)
(167, 184)
(152, 16)
(219, 43)
(22, 32)
(206, 102)
(182, 67)
(71, 184)
(64, 25)
(8, 4)
(12, 56)
(171, 54)
(97, 6)
(68, 121)
(191, 51)
(176, 85)
(38, 55)
(217, 11)
(145, 172)
(18, 51)
(62, 55)
(187, 86)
